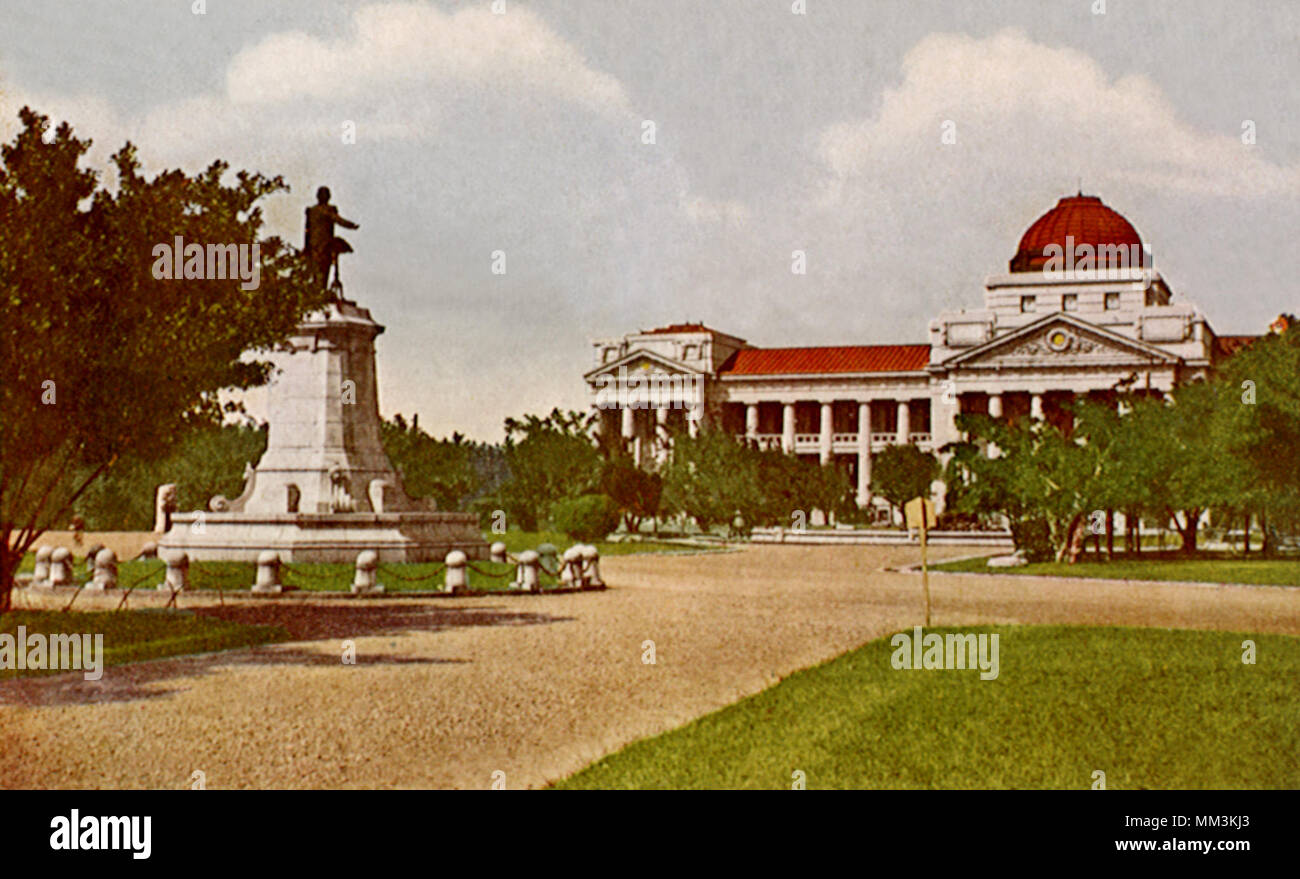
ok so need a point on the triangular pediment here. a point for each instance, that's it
(1061, 340)
(643, 362)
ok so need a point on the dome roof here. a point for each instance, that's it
(1084, 218)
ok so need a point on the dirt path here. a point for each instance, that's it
(445, 693)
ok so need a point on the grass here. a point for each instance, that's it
(1152, 708)
(135, 635)
(424, 577)
(1169, 566)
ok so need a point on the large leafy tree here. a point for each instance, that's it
(207, 461)
(441, 469)
(98, 357)
(1260, 429)
(902, 472)
(714, 478)
(551, 458)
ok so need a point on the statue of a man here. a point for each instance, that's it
(322, 247)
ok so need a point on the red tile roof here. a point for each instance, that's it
(840, 358)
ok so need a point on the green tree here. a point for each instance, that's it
(714, 478)
(550, 459)
(636, 493)
(902, 472)
(98, 358)
(441, 469)
(207, 461)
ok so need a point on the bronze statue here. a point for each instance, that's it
(322, 246)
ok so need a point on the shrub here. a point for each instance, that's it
(587, 518)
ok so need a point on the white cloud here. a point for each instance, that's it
(1016, 103)
(401, 43)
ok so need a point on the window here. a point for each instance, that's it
(1112, 301)
(688, 352)
(1026, 303)
(1070, 301)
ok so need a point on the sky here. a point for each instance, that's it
(524, 131)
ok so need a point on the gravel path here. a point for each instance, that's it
(446, 693)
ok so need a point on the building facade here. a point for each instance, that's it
(1080, 311)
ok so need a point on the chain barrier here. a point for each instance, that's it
(332, 575)
(484, 573)
(389, 572)
(137, 582)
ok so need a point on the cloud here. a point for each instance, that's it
(1014, 103)
(403, 43)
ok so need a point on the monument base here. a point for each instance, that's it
(324, 537)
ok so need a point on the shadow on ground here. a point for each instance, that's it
(304, 622)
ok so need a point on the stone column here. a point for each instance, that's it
(661, 433)
(787, 428)
(995, 405)
(824, 441)
(904, 421)
(1036, 406)
(751, 421)
(629, 422)
(693, 424)
(864, 453)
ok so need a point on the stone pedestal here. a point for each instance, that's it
(325, 489)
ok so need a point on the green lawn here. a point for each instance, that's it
(134, 635)
(426, 577)
(1152, 708)
(1259, 572)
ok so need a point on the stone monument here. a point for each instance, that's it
(324, 490)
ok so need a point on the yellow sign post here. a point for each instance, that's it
(919, 513)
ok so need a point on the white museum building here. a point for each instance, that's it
(1080, 311)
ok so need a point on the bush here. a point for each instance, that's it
(1034, 537)
(586, 518)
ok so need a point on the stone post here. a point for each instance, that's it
(457, 572)
(828, 425)
(105, 571)
(364, 580)
(268, 572)
(528, 577)
(498, 551)
(41, 573)
(591, 562)
(787, 428)
(91, 552)
(571, 573)
(61, 568)
(178, 572)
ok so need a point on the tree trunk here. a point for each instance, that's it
(1187, 529)
(1110, 534)
(9, 560)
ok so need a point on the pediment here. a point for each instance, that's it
(642, 362)
(1061, 340)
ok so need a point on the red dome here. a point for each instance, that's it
(1084, 218)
